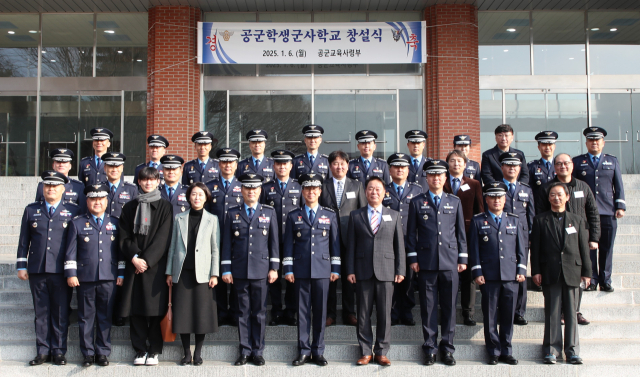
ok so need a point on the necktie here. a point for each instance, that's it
(416, 164)
(226, 185)
(595, 160)
(171, 191)
(113, 190)
(400, 191)
(98, 161)
(339, 193)
(154, 165)
(202, 166)
(455, 186)
(99, 221)
(497, 220)
(51, 211)
(374, 222)
(311, 159)
(257, 164)
(548, 166)
(250, 213)
(312, 216)
(436, 200)
(282, 187)
(366, 165)
(512, 189)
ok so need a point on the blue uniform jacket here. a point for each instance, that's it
(436, 238)
(417, 176)
(312, 251)
(282, 202)
(250, 247)
(73, 193)
(124, 193)
(392, 201)
(605, 181)
(378, 167)
(192, 173)
(498, 254)
(222, 201)
(92, 253)
(472, 170)
(523, 205)
(539, 175)
(89, 173)
(302, 165)
(42, 243)
(265, 169)
(179, 201)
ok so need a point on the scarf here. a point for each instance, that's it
(142, 221)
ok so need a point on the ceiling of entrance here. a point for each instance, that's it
(304, 5)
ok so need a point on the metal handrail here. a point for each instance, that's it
(557, 141)
(287, 141)
(626, 139)
(10, 142)
(339, 141)
(75, 139)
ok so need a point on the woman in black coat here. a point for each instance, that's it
(144, 238)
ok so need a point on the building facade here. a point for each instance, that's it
(131, 67)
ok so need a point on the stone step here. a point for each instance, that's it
(285, 351)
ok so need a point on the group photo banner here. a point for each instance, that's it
(312, 43)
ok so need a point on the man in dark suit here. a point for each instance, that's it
(491, 167)
(367, 166)
(416, 141)
(436, 246)
(469, 191)
(375, 259)
(342, 195)
(602, 173)
(463, 143)
(560, 262)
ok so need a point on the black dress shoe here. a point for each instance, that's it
(493, 360)
(430, 359)
(301, 360)
(468, 321)
(290, 321)
(606, 287)
(536, 288)
(591, 288)
(275, 321)
(448, 359)
(59, 360)
(197, 360)
(233, 321)
(320, 360)
(102, 360)
(242, 360)
(88, 361)
(40, 359)
(508, 359)
(258, 361)
(395, 322)
(519, 320)
(118, 322)
(186, 359)
(408, 322)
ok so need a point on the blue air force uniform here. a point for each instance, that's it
(91, 168)
(124, 193)
(249, 252)
(73, 193)
(193, 171)
(92, 255)
(265, 167)
(436, 240)
(497, 251)
(377, 167)
(540, 173)
(472, 170)
(153, 141)
(416, 166)
(178, 200)
(302, 165)
(602, 174)
(41, 251)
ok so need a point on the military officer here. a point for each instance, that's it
(120, 192)
(463, 143)
(203, 168)
(226, 192)
(257, 163)
(365, 166)
(311, 161)
(92, 266)
(436, 246)
(74, 190)
(158, 145)
(172, 189)
(90, 170)
(41, 250)
(284, 194)
(602, 173)
(498, 257)
(416, 141)
(397, 197)
(249, 259)
(542, 171)
(311, 261)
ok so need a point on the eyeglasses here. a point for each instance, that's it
(565, 163)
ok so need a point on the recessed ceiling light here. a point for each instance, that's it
(595, 28)
(139, 60)
(484, 58)
(33, 31)
(505, 50)
(570, 58)
(11, 32)
(119, 51)
(511, 30)
(613, 29)
(582, 50)
(109, 31)
(44, 52)
(53, 60)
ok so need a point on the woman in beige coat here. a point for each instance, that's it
(192, 272)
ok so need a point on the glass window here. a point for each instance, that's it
(59, 128)
(490, 116)
(394, 16)
(122, 44)
(411, 105)
(19, 36)
(230, 69)
(612, 111)
(503, 43)
(525, 112)
(558, 43)
(568, 116)
(340, 69)
(18, 135)
(67, 45)
(135, 127)
(216, 117)
(614, 43)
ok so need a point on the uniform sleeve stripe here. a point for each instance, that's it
(463, 255)
(225, 262)
(121, 265)
(522, 266)
(476, 267)
(70, 265)
(276, 260)
(412, 254)
(336, 262)
(287, 263)
(21, 260)
(620, 201)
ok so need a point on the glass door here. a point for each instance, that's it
(17, 133)
(611, 110)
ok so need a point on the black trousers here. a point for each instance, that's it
(227, 301)
(51, 297)
(498, 306)
(467, 293)
(252, 315)
(348, 298)
(312, 296)
(145, 329)
(438, 287)
(404, 299)
(602, 258)
(275, 292)
(95, 306)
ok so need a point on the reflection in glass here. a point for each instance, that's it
(490, 117)
(67, 45)
(558, 43)
(503, 43)
(59, 128)
(216, 117)
(612, 111)
(285, 69)
(340, 69)
(19, 45)
(568, 116)
(122, 44)
(18, 134)
(614, 43)
(411, 104)
(525, 112)
(135, 127)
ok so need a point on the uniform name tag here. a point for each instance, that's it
(351, 195)
(578, 194)
(571, 230)
(386, 217)
(272, 193)
(607, 163)
(294, 191)
(465, 187)
(485, 227)
(71, 193)
(267, 169)
(523, 194)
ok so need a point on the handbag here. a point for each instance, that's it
(166, 325)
